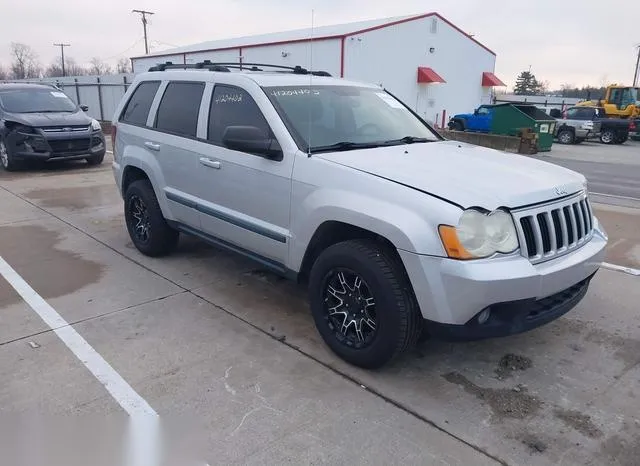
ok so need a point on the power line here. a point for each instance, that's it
(62, 46)
(143, 14)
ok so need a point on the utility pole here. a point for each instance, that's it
(144, 14)
(635, 75)
(62, 46)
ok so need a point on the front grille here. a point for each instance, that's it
(65, 129)
(69, 146)
(552, 230)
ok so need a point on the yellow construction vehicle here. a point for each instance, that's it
(618, 101)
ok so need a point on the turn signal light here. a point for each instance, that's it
(452, 244)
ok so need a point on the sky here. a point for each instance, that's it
(585, 42)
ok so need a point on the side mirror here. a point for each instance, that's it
(84, 108)
(252, 140)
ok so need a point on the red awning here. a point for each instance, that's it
(427, 75)
(491, 80)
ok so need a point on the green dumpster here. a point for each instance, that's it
(510, 119)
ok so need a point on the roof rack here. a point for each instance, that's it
(39, 83)
(227, 66)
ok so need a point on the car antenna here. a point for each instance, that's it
(310, 82)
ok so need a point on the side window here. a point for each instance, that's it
(232, 106)
(616, 96)
(137, 109)
(584, 114)
(483, 111)
(179, 107)
(572, 114)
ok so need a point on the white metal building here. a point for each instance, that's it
(425, 60)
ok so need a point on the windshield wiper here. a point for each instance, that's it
(407, 140)
(48, 111)
(345, 145)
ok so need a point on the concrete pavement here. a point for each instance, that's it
(206, 336)
(611, 170)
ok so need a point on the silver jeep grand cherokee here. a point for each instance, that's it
(340, 185)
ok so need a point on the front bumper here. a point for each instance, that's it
(455, 292)
(35, 147)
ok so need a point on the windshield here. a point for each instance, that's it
(36, 101)
(344, 117)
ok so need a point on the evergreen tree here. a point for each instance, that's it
(527, 84)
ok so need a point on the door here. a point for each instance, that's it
(175, 146)
(481, 120)
(245, 198)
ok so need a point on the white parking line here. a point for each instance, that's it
(119, 389)
(143, 443)
(621, 268)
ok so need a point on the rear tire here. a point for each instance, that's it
(361, 283)
(95, 160)
(607, 136)
(566, 136)
(148, 229)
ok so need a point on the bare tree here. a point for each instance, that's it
(25, 61)
(98, 67)
(123, 66)
(54, 70)
(73, 68)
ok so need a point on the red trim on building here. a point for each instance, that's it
(340, 36)
(491, 80)
(342, 41)
(428, 76)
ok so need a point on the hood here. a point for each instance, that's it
(463, 115)
(50, 119)
(469, 176)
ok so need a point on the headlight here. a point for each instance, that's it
(95, 125)
(480, 235)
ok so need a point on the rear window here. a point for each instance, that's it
(137, 109)
(178, 110)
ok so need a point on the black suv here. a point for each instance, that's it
(38, 122)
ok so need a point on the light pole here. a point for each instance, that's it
(62, 46)
(143, 14)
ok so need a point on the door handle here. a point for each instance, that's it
(210, 163)
(152, 145)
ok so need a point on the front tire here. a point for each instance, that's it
(456, 126)
(148, 229)
(7, 161)
(566, 136)
(363, 304)
(95, 160)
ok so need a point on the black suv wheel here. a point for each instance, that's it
(362, 303)
(95, 159)
(6, 159)
(148, 229)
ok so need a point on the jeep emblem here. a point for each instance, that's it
(560, 192)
